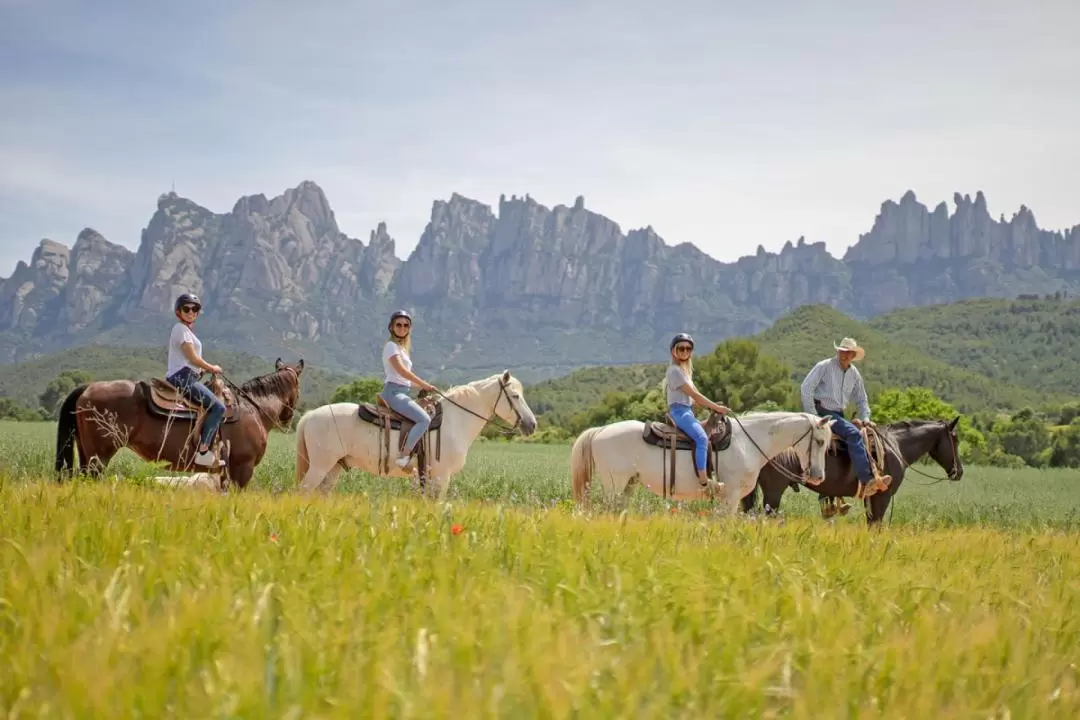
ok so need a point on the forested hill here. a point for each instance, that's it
(978, 354)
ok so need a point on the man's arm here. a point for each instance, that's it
(809, 384)
(861, 401)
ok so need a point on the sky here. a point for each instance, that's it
(728, 125)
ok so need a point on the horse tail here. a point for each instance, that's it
(582, 463)
(303, 462)
(67, 432)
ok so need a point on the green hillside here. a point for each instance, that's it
(25, 381)
(559, 398)
(806, 335)
(946, 348)
(1032, 343)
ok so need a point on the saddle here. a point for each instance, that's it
(386, 419)
(671, 439)
(164, 400)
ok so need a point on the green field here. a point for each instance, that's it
(124, 599)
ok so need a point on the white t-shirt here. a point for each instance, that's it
(181, 334)
(390, 350)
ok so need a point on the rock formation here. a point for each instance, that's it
(538, 289)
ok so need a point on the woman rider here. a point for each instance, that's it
(399, 377)
(185, 364)
(681, 395)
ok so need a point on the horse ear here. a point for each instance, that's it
(506, 376)
(300, 365)
(278, 364)
(822, 422)
(952, 425)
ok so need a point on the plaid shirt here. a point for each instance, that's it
(834, 388)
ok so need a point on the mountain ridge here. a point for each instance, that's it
(531, 287)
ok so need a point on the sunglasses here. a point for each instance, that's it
(683, 348)
(402, 325)
(189, 308)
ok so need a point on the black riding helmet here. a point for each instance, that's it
(399, 314)
(681, 337)
(187, 299)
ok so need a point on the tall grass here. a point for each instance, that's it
(125, 599)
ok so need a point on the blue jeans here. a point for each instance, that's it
(853, 439)
(397, 397)
(683, 415)
(186, 381)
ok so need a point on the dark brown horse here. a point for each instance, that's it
(912, 438)
(100, 418)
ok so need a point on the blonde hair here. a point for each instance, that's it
(688, 367)
(406, 343)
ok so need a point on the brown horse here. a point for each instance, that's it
(102, 417)
(911, 438)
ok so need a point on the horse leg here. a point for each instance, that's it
(329, 481)
(317, 473)
(95, 451)
(240, 475)
(771, 497)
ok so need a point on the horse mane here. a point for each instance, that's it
(267, 386)
(469, 390)
(911, 424)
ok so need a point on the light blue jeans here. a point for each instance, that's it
(683, 415)
(397, 397)
(187, 382)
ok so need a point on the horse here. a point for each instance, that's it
(100, 418)
(334, 437)
(620, 456)
(905, 442)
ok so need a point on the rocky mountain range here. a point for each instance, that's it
(537, 289)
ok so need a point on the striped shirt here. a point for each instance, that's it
(834, 388)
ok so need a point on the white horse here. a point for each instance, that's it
(619, 456)
(331, 437)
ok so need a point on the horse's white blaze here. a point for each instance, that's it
(619, 455)
(333, 433)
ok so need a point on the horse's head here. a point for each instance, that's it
(946, 450)
(820, 437)
(289, 392)
(511, 406)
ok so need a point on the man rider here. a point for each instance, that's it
(828, 388)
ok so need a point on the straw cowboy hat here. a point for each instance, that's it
(849, 345)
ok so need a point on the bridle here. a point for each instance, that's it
(952, 473)
(275, 422)
(802, 480)
(491, 416)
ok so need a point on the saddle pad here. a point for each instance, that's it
(371, 413)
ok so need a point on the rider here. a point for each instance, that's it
(827, 390)
(399, 377)
(184, 365)
(681, 395)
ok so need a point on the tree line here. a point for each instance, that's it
(738, 374)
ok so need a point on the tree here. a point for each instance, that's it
(59, 388)
(737, 374)
(360, 390)
(919, 403)
(1024, 436)
(1065, 451)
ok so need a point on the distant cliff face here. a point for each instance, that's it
(538, 289)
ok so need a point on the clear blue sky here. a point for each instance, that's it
(723, 124)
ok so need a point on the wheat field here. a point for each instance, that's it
(120, 598)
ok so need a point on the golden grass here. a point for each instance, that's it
(125, 601)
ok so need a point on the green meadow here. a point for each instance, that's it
(122, 598)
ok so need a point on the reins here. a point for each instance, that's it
(242, 393)
(770, 461)
(890, 446)
(507, 432)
